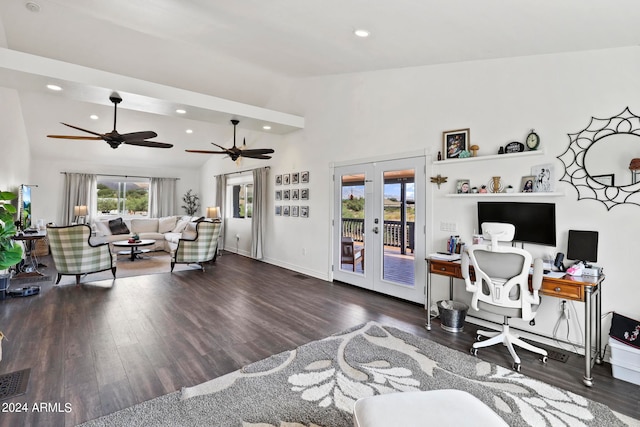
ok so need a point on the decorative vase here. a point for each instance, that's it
(495, 185)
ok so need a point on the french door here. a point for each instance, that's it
(379, 227)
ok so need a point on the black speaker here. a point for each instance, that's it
(558, 261)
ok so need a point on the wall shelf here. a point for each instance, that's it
(487, 195)
(490, 157)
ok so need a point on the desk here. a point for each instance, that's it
(583, 289)
(30, 240)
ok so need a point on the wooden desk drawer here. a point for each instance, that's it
(562, 290)
(445, 268)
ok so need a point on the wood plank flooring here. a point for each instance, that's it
(108, 345)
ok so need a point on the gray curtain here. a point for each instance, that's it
(162, 197)
(221, 196)
(79, 190)
(259, 215)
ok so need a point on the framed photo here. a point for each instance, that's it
(607, 179)
(454, 142)
(278, 210)
(463, 186)
(286, 179)
(295, 178)
(295, 210)
(295, 194)
(526, 184)
(286, 195)
(279, 195)
(544, 178)
(285, 210)
(278, 179)
(304, 194)
(304, 177)
(304, 211)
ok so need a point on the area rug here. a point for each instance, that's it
(151, 263)
(318, 383)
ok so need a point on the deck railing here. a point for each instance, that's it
(392, 232)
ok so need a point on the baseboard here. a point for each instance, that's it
(297, 268)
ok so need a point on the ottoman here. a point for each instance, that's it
(424, 408)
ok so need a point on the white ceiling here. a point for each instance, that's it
(246, 50)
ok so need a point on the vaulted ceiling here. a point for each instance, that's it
(201, 54)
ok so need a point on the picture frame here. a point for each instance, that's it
(304, 211)
(278, 194)
(286, 179)
(526, 184)
(455, 142)
(285, 210)
(544, 178)
(278, 179)
(286, 194)
(295, 211)
(463, 186)
(278, 210)
(295, 194)
(304, 194)
(295, 178)
(304, 177)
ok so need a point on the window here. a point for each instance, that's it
(242, 196)
(123, 196)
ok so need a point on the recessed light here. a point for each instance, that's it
(361, 33)
(266, 127)
(181, 111)
(54, 87)
(94, 117)
(32, 7)
(189, 131)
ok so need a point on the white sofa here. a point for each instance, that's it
(165, 231)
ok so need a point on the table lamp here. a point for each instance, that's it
(80, 212)
(213, 212)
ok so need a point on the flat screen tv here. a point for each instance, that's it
(534, 222)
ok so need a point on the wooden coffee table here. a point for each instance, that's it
(135, 250)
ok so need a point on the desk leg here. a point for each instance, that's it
(587, 379)
(428, 300)
(599, 354)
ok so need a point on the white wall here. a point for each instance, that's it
(382, 113)
(15, 160)
(47, 197)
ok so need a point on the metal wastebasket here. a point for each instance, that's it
(452, 314)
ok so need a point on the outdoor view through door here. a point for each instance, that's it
(377, 228)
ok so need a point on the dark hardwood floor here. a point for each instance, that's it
(108, 345)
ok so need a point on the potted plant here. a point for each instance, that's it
(10, 252)
(192, 203)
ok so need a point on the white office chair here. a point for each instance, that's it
(501, 286)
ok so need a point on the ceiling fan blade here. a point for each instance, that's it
(75, 137)
(226, 150)
(257, 151)
(138, 136)
(206, 152)
(152, 144)
(256, 156)
(83, 130)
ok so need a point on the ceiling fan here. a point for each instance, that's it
(113, 138)
(234, 152)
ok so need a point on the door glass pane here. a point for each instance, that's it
(352, 223)
(398, 234)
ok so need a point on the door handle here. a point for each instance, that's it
(376, 230)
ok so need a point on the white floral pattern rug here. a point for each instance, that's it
(317, 384)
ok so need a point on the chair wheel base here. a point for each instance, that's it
(544, 359)
(473, 351)
(516, 367)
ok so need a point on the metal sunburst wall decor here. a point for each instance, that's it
(601, 187)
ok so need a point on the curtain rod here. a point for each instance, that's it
(246, 170)
(124, 176)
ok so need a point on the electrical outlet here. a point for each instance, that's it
(237, 237)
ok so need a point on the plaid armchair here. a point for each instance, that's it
(201, 249)
(74, 255)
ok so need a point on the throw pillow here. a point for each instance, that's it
(180, 226)
(166, 224)
(117, 226)
(102, 228)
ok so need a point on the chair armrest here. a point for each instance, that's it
(536, 277)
